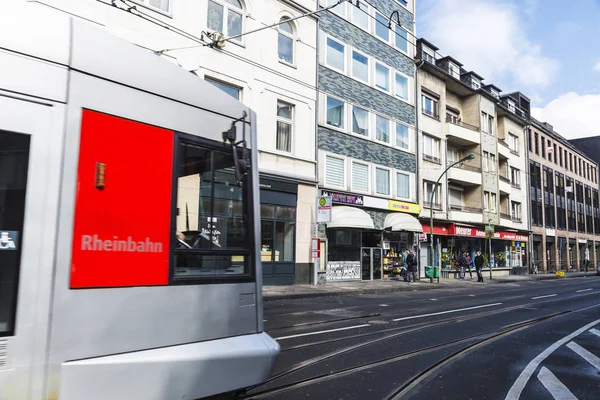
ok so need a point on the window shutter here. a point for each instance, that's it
(360, 177)
(334, 171)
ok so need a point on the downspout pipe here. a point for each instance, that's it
(418, 183)
(315, 274)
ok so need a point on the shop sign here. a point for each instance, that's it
(582, 241)
(404, 207)
(343, 271)
(481, 233)
(342, 198)
(437, 229)
(324, 209)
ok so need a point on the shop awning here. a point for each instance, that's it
(350, 217)
(402, 222)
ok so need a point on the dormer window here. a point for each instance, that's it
(475, 83)
(511, 106)
(454, 70)
(428, 55)
(495, 93)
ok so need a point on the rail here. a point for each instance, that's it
(505, 215)
(466, 167)
(504, 178)
(460, 207)
(450, 120)
(427, 204)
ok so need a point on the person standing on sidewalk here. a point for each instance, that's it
(411, 264)
(463, 264)
(478, 265)
(468, 266)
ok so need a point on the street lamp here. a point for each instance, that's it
(469, 157)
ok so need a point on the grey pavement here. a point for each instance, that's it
(385, 286)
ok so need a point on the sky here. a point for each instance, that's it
(547, 49)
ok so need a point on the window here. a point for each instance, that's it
(229, 89)
(455, 198)
(403, 2)
(555, 155)
(486, 201)
(382, 77)
(335, 171)
(560, 156)
(454, 70)
(213, 236)
(162, 5)
(543, 147)
(487, 123)
(336, 54)
(285, 125)
(431, 148)
(492, 163)
(226, 17)
(511, 105)
(401, 39)
(286, 41)
(428, 55)
(486, 161)
(402, 185)
(429, 106)
(382, 181)
(402, 139)
(335, 112)
(382, 129)
(13, 184)
(513, 143)
(381, 27)
(475, 83)
(427, 192)
(360, 67)
(339, 10)
(278, 230)
(452, 116)
(571, 162)
(453, 156)
(515, 210)
(401, 86)
(536, 143)
(361, 16)
(493, 202)
(360, 121)
(515, 176)
(360, 177)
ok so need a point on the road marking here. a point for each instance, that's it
(556, 388)
(384, 305)
(320, 332)
(471, 295)
(433, 299)
(446, 312)
(586, 355)
(543, 297)
(595, 332)
(515, 391)
(583, 290)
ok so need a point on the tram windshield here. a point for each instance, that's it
(213, 238)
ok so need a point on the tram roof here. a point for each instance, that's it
(57, 38)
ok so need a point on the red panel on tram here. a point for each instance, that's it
(123, 204)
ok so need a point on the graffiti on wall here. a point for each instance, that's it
(343, 271)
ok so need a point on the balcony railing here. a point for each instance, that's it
(503, 178)
(436, 206)
(516, 219)
(505, 215)
(503, 143)
(428, 57)
(465, 166)
(432, 114)
(460, 207)
(516, 185)
(450, 120)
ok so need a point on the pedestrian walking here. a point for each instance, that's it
(463, 264)
(468, 266)
(411, 262)
(478, 265)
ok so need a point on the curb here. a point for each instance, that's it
(294, 296)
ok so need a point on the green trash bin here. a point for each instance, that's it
(428, 272)
(436, 272)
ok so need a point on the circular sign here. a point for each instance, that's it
(322, 201)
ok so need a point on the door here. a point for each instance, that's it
(367, 266)
(30, 148)
(377, 262)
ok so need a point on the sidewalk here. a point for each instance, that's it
(271, 293)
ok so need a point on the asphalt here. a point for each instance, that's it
(475, 342)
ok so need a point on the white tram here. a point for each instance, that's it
(129, 263)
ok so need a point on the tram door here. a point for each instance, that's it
(29, 138)
(371, 263)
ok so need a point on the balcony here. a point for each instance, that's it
(504, 184)
(503, 149)
(462, 133)
(465, 174)
(505, 216)
(459, 213)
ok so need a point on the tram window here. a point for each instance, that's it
(14, 160)
(212, 217)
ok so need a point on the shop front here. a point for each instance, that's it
(364, 240)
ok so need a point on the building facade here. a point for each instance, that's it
(460, 116)
(565, 211)
(272, 71)
(366, 138)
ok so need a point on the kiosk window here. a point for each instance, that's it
(14, 161)
(212, 215)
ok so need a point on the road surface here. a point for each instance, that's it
(531, 340)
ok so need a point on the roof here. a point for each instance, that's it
(454, 60)
(428, 44)
(491, 86)
(475, 74)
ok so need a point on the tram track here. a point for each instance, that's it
(480, 339)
